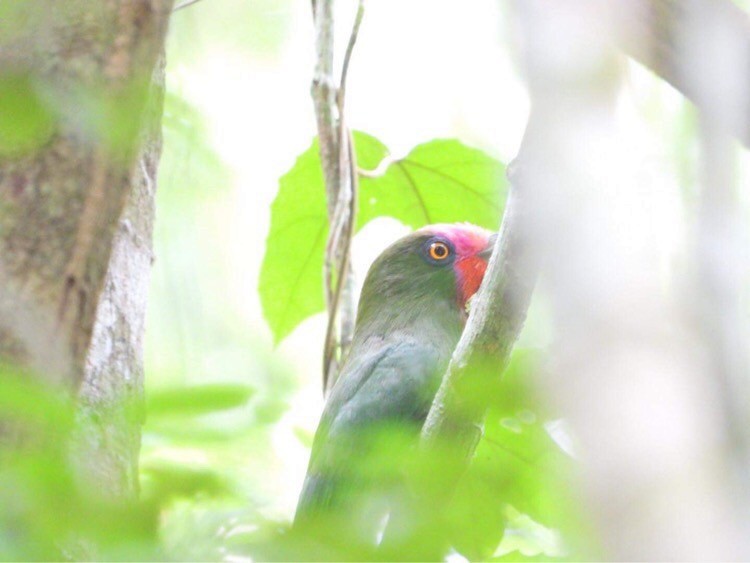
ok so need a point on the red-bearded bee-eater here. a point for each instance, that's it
(411, 313)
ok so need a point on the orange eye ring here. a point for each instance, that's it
(439, 251)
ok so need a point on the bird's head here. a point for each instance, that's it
(437, 268)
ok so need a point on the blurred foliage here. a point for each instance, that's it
(49, 514)
(508, 506)
(190, 170)
(441, 181)
(214, 393)
(26, 122)
(35, 108)
(106, 115)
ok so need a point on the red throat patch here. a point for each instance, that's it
(470, 273)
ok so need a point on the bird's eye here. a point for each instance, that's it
(439, 251)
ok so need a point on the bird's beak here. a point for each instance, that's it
(487, 252)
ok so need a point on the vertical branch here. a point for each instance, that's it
(324, 99)
(339, 171)
(721, 239)
(627, 374)
(324, 92)
(497, 315)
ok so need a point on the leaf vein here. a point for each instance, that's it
(301, 271)
(415, 189)
(449, 178)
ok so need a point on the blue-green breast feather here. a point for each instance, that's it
(393, 384)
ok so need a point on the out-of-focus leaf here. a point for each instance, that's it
(109, 117)
(476, 519)
(164, 479)
(304, 436)
(528, 540)
(187, 432)
(441, 181)
(190, 170)
(48, 511)
(27, 400)
(26, 121)
(521, 558)
(525, 465)
(197, 400)
(517, 464)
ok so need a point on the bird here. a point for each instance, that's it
(411, 313)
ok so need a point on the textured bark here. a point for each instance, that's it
(111, 396)
(61, 201)
(76, 213)
(496, 319)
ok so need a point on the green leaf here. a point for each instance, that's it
(442, 181)
(291, 275)
(198, 400)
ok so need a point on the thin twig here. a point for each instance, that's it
(343, 222)
(348, 55)
(330, 345)
(324, 99)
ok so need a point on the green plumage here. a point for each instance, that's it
(408, 324)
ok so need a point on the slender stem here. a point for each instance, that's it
(349, 49)
(341, 302)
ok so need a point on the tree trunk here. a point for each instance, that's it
(77, 176)
(111, 395)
